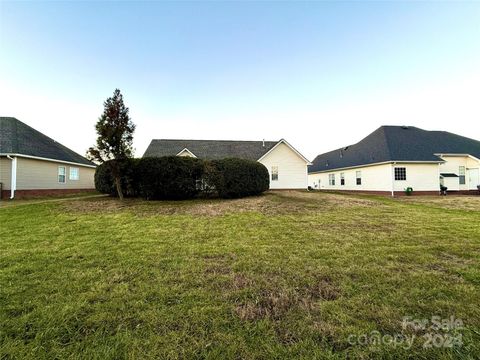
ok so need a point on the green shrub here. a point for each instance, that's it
(104, 182)
(171, 177)
(235, 178)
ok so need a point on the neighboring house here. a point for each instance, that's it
(32, 164)
(286, 166)
(393, 158)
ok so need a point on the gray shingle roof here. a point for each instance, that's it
(210, 149)
(19, 138)
(396, 143)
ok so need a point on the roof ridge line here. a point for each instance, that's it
(387, 144)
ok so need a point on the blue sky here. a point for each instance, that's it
(320, 74)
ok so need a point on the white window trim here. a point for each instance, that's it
(394, 173)
(64, 174)
(358, 175)
(70, 173)
(274, 167)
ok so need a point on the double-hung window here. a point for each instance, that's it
(274, 173)
(342, 179)
(358, 176)
(461, 175)
(62, 174)
(331, 179)
(74, 173)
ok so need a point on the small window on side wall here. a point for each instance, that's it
(61, 174)
(461, 175)
(74, 173)
(342, 179)
(274, 173)
(331, 179)
(400, 173)
(358, 176)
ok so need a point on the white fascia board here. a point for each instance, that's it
(459, 155)
(48, 159)
(283, 141)
(375, 164)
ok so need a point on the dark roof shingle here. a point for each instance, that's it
(210, 149)
(19, 138)
(396, 143)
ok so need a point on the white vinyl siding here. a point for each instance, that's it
(292, 169)
(421, 177)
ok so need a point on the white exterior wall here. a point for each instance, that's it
(292, 169)
(374, 178)
(421, 177)
(452, 165)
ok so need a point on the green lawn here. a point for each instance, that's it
(285, 275)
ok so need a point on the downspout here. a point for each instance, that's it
(13, 179)
(392, 175)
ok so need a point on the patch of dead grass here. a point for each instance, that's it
(275, 302)
(271, 203)
(450, 202)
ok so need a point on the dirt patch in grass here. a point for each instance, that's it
(274, 302)
(328, 198)
(271, 203)
(451, 202)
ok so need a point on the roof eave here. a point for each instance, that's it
(48, 159)
(283, 141)
(378, 163)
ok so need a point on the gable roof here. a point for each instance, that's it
(20, 139)
(396, 143)
(210, 149)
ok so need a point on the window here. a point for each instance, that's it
(331, 179)
(400, 173)
(461, 175)
(74, 173)
(358, 175)
(61, 174)
(342, 178)
(274, 173)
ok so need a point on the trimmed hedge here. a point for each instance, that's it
(171, 177)
(104, 182)
(178, 178)
(235, 178)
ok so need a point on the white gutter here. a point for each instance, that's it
(48, 159)
(13, 179)
(375, 164)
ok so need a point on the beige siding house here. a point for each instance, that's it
(32, 164)
(394, 158)
(286, 166)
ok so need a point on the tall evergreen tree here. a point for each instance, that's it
(115, 136)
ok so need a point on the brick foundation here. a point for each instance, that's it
(402, 193)
(36, 193)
